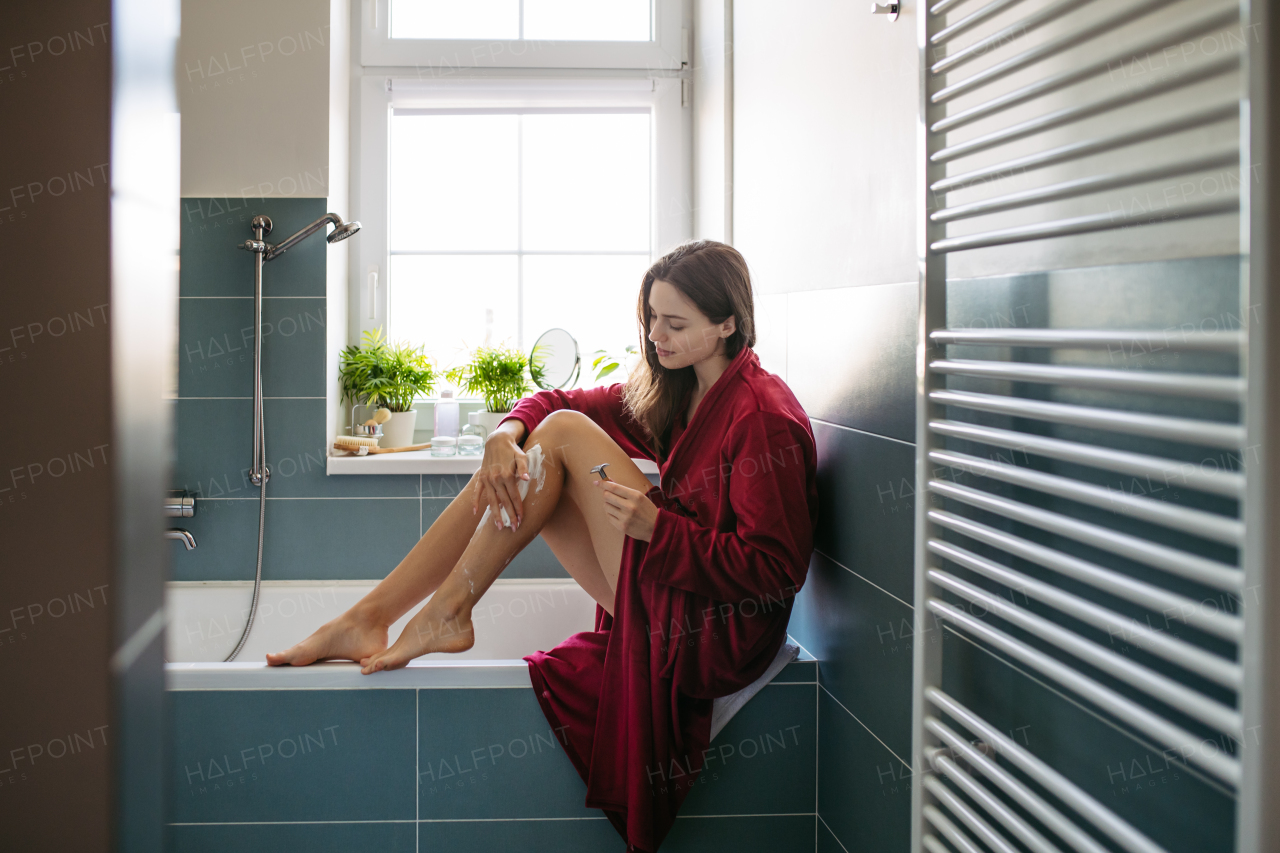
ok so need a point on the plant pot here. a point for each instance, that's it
(490, 420)
(398, 432)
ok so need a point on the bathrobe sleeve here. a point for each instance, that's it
(766, 553)
(603, 405)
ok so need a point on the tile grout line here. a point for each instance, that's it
(864, 580)
(833, 835)
(466, 820)
(417, 770)
(864, 725)
(862, 431)
(817, 753)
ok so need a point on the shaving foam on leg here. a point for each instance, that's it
(537, 474)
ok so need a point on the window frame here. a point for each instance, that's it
(667, 50)
(377, 95)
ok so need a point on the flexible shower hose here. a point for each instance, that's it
(257, 575)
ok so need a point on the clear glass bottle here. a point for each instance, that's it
(471, 441)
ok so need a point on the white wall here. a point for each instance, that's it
(713, 119)
(825, 102)
(253, 89)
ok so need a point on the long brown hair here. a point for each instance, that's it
(714, 277)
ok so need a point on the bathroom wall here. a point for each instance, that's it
(265, 130)
(824, 214)
(318, 526)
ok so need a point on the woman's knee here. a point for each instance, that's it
(559, 429)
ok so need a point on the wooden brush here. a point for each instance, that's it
(357, 445)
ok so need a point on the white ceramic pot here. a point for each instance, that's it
(490, 420)
(398, 432)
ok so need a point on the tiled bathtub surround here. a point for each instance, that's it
(411, 768)
(318, 527)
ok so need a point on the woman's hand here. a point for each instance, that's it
(628, 510)
(498, 479)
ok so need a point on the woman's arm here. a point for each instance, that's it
(767, 554)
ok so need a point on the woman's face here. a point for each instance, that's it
(681, 334)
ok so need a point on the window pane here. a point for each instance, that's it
(587, 20)
(593, 297)
(586, 182)
(454, 184)
(455, 19)
(443, 301)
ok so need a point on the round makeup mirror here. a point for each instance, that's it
(556, 352)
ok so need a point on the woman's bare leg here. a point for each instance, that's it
(567, 508)
(362, 630)
(577, 530)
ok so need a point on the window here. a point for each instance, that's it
(543, 20)
(507, 223)
(447, 35)
(501, 202)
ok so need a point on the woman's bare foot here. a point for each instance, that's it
(434, 628)
(351, 636)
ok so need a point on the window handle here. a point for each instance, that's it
(372, 287)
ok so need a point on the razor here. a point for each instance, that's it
(599, 469)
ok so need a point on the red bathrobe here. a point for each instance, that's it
(700, 610)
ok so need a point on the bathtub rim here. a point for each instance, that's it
(342, 675)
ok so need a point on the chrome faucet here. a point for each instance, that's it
(184, 535)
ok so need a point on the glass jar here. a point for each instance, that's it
(471, 441)
(443, 445)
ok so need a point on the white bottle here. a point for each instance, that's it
(447, 415)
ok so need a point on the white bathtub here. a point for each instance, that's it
(205, 619)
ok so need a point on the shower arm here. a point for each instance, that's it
(289, 242)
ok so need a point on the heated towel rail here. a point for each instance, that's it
(1017, 427)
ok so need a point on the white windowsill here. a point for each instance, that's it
(422, 462)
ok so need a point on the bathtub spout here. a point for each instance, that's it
(184, 535)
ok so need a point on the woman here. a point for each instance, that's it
(694, 579)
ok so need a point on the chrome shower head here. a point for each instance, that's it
(342, 232)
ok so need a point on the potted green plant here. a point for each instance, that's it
(500, 376)
(391, 376)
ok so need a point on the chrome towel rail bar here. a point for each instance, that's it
(1192, 658)
(1121, 707)
(1007, 817)
(1226, 436)
(1213, 21)
(1175, 338)
(1007, 34)
(1070, 115)
(1200, 569)
(1115, 827)
(1086, 186)
(1156, 469)
(1168, 604)
(1190, 702)
(1089, 147)
(1207, 525)
(1046, 50)
(1224, 388)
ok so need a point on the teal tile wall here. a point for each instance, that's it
(334, 770)
(318, 527)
